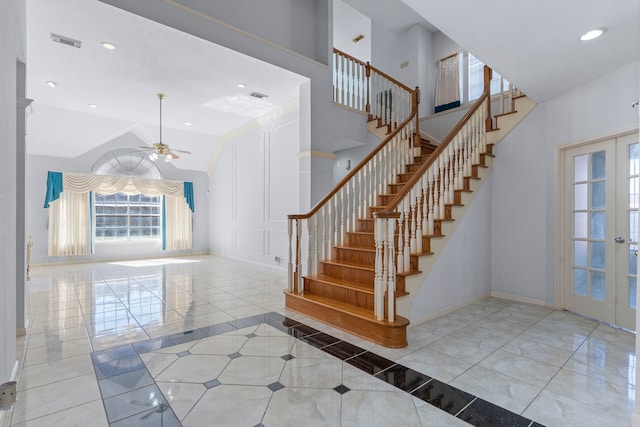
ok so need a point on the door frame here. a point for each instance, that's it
(561, 222)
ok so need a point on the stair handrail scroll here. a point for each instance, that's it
(368, 90)
(422, 201)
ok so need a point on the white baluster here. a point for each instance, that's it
(378, 295)
(299, 256)
(451, 174)
(391, 271)
(441, 192)
(407, 224)
(400, 262)
(432, 182)
(420, 215)
(413, 244)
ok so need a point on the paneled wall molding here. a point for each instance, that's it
(316, 153)
(245, 132)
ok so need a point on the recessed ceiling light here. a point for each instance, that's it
(108, 45)
(241, 85)
(187, 123)
(590, 35)
(93, 106)
(52, 84)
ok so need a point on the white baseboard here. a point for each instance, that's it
(517, 298)
(431, 316)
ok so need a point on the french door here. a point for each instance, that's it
(601, 219)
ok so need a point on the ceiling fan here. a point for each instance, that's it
(160, 149)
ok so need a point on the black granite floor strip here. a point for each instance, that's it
(131, 397)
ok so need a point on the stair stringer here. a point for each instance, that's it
(524, 105)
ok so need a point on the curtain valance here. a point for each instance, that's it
(57, 182)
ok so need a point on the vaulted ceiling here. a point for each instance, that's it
(198, 78)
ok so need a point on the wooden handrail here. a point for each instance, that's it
(417, 176)
(346, 55)
(382, 73)
(354, 171)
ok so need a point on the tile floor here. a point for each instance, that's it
(107, 346)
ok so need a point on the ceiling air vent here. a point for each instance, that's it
(65, 40)
(258, 95)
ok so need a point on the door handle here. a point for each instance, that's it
(619, 239)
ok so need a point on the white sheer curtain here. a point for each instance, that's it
(448, 83)
(71, 216)
(179, 233)
(70, 221)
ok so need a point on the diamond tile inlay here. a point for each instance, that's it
(212, 383)
(183, 353)
(288, 357)
(275, 386)
(342, 389)
(251, 335)
(234, 355)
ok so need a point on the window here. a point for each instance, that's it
(127, 217)
(472, 79)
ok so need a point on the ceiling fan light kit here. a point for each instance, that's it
(160, 149)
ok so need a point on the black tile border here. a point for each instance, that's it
(467, 407)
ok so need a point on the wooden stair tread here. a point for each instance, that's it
(352, 309)
(506, 114)
(342, 283)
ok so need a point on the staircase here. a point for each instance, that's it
(366, 242)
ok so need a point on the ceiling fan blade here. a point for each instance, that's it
(181, 151)
(173, 155)
(146, 148)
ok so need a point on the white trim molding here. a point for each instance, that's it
(316, 153)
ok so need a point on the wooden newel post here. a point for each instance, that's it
(368, 106)
(488, 73)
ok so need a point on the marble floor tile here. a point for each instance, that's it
(312, 373)
(429, 415)
(158, 362)
(303, 406)
(592, 391)
(610, 370)
(58, 370)
(268, 346)
(123, 383)
(528, 370)
(230, 405)
(544, 353)
(553, 410)
(194, 368)
(182, 396)
(507, 392)
(252, 370)
(48, 399)
(219, 344)
(461, 349)
(53, 352)
(378, 408)
(435, 364)
(355, 379)
(567, 340)
(76, 416)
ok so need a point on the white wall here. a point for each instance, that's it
(37, 216)
(462, 270)
(317, 134)
(407, 57)
(11, 37)
(525, 182)
(254, 186)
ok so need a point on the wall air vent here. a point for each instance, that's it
(357, 38)
(258, 95)
(66, 40)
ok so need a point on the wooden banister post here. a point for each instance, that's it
(368, 106)
(488, 74)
